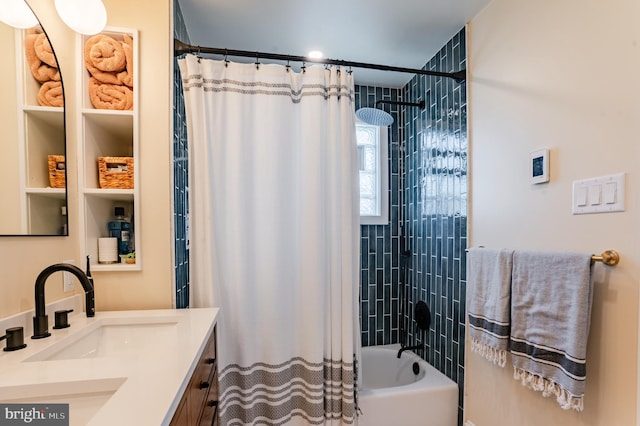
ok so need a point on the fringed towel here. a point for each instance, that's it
(488, 302)
(550, 315)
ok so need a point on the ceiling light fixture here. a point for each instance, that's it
(83, 16)
(17, 14)
(315, 54)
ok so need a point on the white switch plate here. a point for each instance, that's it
(603, 195)
(68, 282)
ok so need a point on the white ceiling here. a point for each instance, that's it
(403, 33)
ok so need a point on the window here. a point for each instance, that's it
(374, 179)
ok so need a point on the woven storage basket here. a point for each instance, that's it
(115, 172)
(57, 175)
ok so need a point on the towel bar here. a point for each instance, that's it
(608, 257)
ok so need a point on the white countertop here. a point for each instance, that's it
(150, 375)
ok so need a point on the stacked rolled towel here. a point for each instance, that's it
(50, 94)
(110, 63)
(44, 68)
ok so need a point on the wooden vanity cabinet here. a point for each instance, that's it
(199, 403)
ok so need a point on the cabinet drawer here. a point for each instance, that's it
(181, 417)
(202, 380)
(199, 404)
(209, 413)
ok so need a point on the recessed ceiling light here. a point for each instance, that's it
(315, 54)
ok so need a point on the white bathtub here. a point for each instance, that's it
(391, 394)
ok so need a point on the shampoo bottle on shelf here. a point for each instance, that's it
(120, 228)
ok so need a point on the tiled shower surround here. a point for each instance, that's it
(428, 161)
(180, 174)
(380, 244)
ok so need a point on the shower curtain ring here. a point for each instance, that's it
(288, 66)
(226, 59)
(303, 67)
(257, 61)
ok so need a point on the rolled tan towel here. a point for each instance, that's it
(110, 96)
(40, 71)
(44, 52)
(126, 77)
(103, 54)
(50, 94)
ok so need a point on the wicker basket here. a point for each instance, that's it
(57, 175)
(115, 172)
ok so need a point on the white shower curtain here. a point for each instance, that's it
(275, 236)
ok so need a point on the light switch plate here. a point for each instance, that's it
(603, 195)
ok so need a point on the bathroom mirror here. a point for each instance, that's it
(32, 175)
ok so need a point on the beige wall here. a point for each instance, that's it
(24, 257)
(10, 218)
(561, 75)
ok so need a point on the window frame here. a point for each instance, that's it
(382, 178)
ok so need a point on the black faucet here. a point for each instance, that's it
(41, 320)
(407, 348)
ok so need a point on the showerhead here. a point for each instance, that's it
(378, 117)
(374, 116)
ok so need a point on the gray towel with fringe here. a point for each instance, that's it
(488, 302)
(551, 295)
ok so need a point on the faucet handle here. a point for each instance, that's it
(15, 339)
(61, 319)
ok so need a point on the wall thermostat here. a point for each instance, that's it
(539, 166)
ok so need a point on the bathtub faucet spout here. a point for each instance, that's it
(408, 348)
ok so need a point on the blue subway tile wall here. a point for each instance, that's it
(435, 199)
(379, 260)
(180, 175)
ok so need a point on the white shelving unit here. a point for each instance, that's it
(41, 132)
(106, 133)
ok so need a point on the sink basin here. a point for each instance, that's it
(104, 339)
(84, 397)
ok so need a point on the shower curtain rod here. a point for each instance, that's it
(180, 48)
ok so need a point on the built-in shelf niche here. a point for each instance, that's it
(107, 133)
